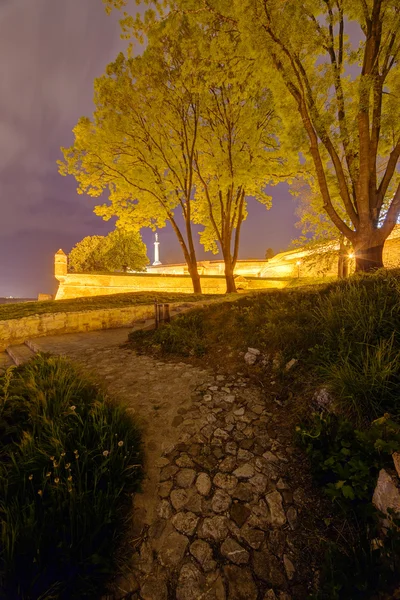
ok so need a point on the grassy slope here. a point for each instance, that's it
(17, 311)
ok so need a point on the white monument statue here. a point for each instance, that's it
(156, 252)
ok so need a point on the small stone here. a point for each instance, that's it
(289, 365)
(176, 421)
(234, 552)
(239, 412)
(282, 485)
(250, 358)
(221, 434)
(260, 517)
(215, 528)
(203, 554)
(289, 567)
(184, 461)
(231, 448)
(254, 351)
(164, 509)
(168, 472)
(164, 489)
(190, 583)
(203, 484)
(274, 501)
(291, 515)
(241, 584)
(173, 549)
(243, 492)
(239, 513)
(207, 398)
(185, 477)
(230, 398)
(244, 454)
(254, 537)
(225, 481)
(221, 501)
(270, 595)
(162, 462)
(220, 377)
(179, 498)
(185, 522)
(244, 471)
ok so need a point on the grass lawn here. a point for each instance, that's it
(25, 309)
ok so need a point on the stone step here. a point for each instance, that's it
(20, 354)
(5, 362)
(34, 345)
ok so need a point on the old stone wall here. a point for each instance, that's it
(75, 285)
(17, 331)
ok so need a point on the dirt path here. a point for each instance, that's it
(220, 516)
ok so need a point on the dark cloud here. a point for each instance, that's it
(51, 51)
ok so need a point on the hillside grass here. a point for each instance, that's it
(26, 309)
(70, 460)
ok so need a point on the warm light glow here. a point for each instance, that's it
(351, 255)
(298, 263)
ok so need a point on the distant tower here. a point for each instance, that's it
(156, 252)
(60, 264)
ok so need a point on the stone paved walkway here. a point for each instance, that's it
(218, 515)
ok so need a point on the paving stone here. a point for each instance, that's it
(244, 471)
(244, 454)
(173, 549)
(274, 501)
(247, 444)
(267, 568)
(164, 509)
(231, 448)
(190, 583)
(164, 489)
(214, 528)
(234, 552)
(168, 472)
(241, 584)
(185, 522)
(239, 513)
(203, 554)
(260, 517)
(225, 481)
(270, 457)
(259, 483)
(185, 477)
(184, 461)
(203, 484)
(289, 567)
(221, 433)
(221, 501)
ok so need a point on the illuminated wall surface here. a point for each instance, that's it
(251, 274)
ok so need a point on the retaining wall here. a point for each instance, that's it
(17, 331)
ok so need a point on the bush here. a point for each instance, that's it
(69, 461)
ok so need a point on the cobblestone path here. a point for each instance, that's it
(218, 515)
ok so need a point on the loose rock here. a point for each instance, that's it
(234, 552)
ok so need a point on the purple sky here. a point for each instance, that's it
(51, 52)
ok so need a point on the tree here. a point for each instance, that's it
(269, 253)
(348, 103)
(141, 141)
(237, 153)
(118, 251)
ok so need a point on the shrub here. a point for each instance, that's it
(68, 465)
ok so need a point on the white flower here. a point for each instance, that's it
(106, 453)
(120, 443)
(30, 477)
(72, 407)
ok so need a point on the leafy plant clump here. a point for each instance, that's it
(69, 461)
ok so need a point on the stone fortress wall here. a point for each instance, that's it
(250, 274)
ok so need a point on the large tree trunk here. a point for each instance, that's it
(229, 276)
(369, 258)
(194, 274)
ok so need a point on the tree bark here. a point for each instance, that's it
(230, 279)
(194, 274)
(369, 258)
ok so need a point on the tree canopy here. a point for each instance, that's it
(118, 251)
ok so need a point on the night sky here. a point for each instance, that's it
(51, 52)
